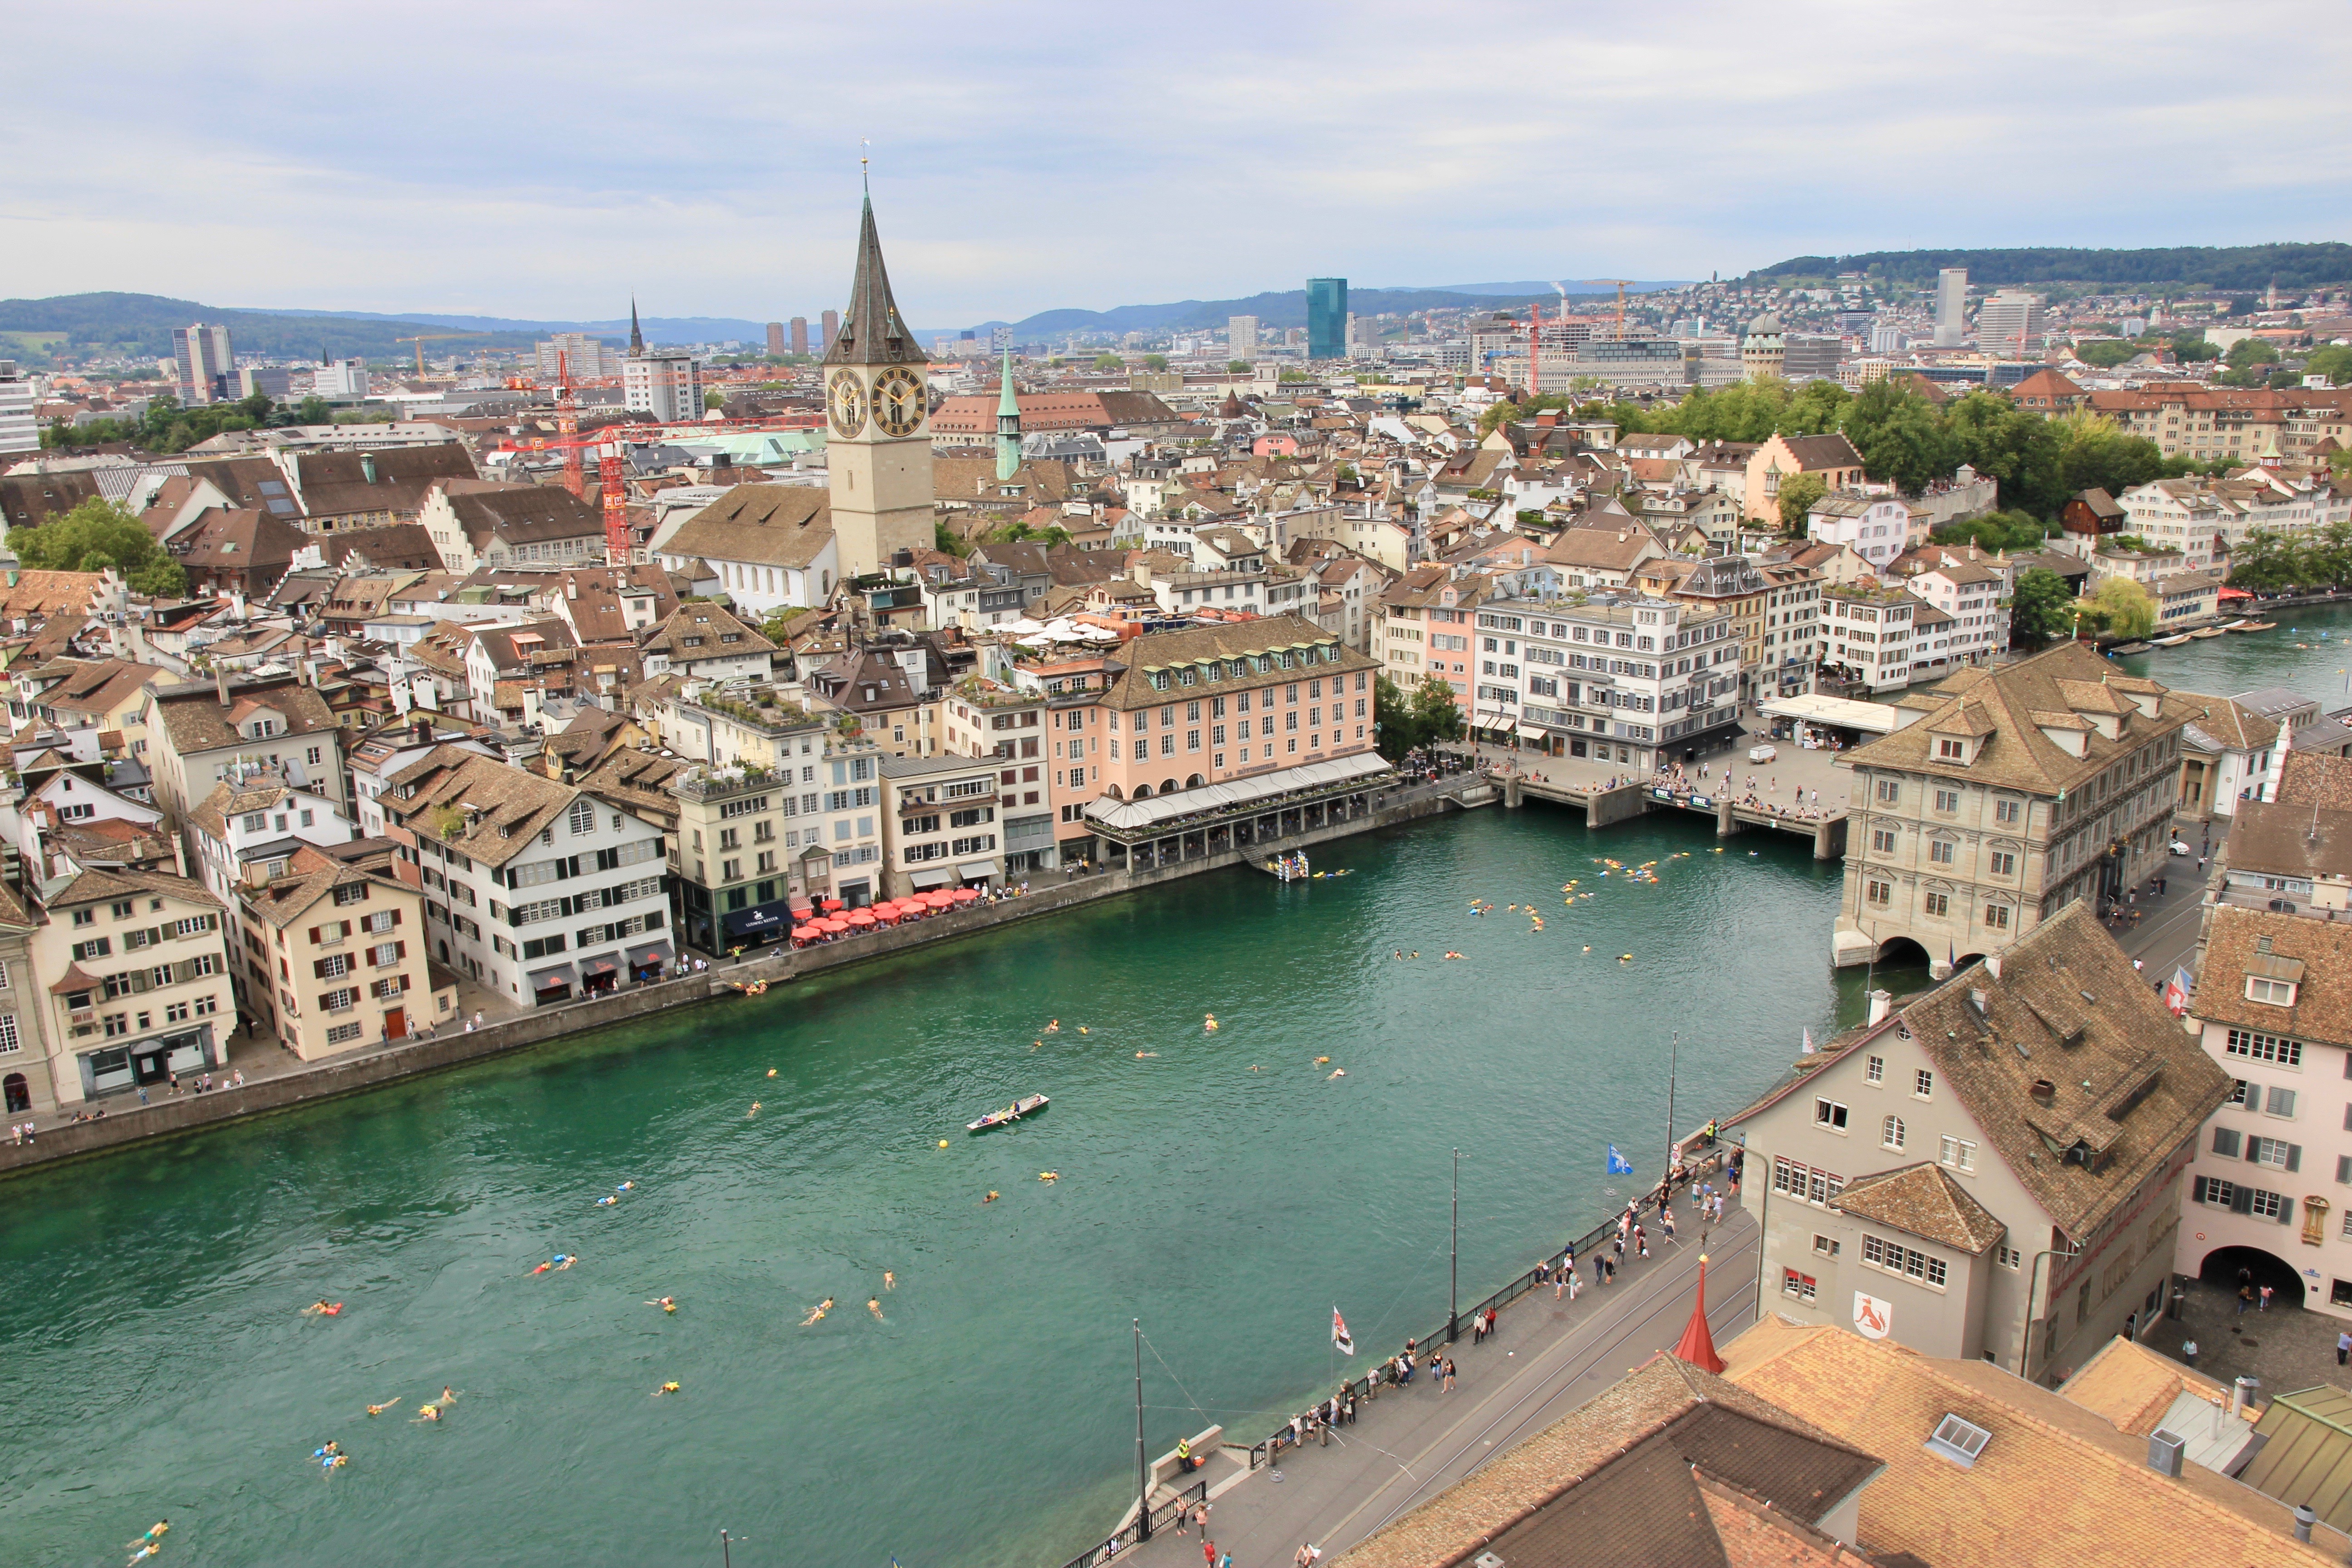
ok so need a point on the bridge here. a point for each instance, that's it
(1605, 807)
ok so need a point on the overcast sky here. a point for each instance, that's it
(545, 160)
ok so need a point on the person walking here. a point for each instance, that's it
(2188, 1355)
(1449, 1376)
(2265, 1305)
(2342, 1348)
(1641, 1242)
(2245, 1298)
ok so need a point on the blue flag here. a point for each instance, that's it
(1618, 1165)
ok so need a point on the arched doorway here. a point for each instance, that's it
(1967, 959)
(16, 1092)
(1194, 782)
(1902, 952)
(2223, 1264)
(1167, 786)
(1143, 792)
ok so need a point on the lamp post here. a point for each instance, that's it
(1454, 1267)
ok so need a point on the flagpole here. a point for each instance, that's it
(1674, 1068)
(1453, 1277)
(1142, 1484)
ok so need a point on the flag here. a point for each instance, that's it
(1808, 1043)
(2175, 991)
(1340, 1336)
(1618, 1165)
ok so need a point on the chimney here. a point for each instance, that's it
(424, 732)
(220, 683)
(1992, 967)
(2242, 1394)
(2306, 1516)
(1880, 1003)
(2164, 1453)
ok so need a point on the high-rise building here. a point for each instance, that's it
(831, 321)
(2010, 323)
(1811, 356)
(583, 357)
(879, 452)
(1327, 318)
(1241, 337)
(776, 339)
(208, 368)
(1888, 338)
(665, 383)
(1952, 306)
(1000, 340)
(800, 334)
(20, 431)
(343, 380)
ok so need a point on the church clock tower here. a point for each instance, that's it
(878, 451)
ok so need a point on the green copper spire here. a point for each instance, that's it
(1008, 426)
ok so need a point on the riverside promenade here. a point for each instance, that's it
(1547, 1357)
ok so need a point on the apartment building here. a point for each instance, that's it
(2202, 516)
(198, 735)
(1989, 1172)
(1878, 528)
(2214, 422)
(341, 962)
(1012, 724)
(2016, 791)
(941, 828)
(1830, 459)
(247, 831)
(141, 989)
(1426, 627)
(569, 885)
(1620, 678)
(1867, 635)
(27, 1058)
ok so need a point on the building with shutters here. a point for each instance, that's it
(342, 960)
(135, 969)
(941, 826)
(540, 890)
(244, 834)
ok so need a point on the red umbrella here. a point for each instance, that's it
(938, 901)
(831, 904)
(835, 927)
(966, 895)
(862, 918)
(805, 933)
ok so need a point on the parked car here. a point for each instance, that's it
(1762, 753)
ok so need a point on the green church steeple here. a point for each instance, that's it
(1008, 426)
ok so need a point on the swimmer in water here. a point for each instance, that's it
(428, 1410)
(1084, 1030)
(753, 1111)
(1320, 1060)
(1398, 954)
(990, 1197)
(607, 1201)
(145, 1551)
(627, 1187)
(1036, 1045)
(817, 1313)
(874, 1305)
(889, 1280)
(380, 1409)
(1416, 952)
(771, 1072)
(1049, 1176)
(154, 1534)
(667, 1304)
(1055, 1027)
(665, 1388)
(448, 1394)
(1141, 1055)
(322, 1308)
(1336, 1072)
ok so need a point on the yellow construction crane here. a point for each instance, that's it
(434, 337)
(1620, 283)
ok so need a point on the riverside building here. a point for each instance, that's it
(1619, 679)
(141, 988)
(2013, 792)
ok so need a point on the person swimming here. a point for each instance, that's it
(1320, 1060)
(1336, 1072)
(1084, 1030)
(323, 1309)
(990, 1197)
(1141, 1055)
(448, 1394)
(562, 1260)
(1049, 1176)
(607, 1201)
(154, 1534)
(627, 1187)
(874, 1305)
(380, 1409)
(817, 1313)
(665, 1388)
(771, 1072)
(889, 1280)
(753, 1111)
(667, 1304)
(428, 1410)
(1055, 1027)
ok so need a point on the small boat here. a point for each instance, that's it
(1010, 1114)
(2122, 650)
(2253, 627)
(2175, 640)
(1290, 867)
(2204, 632)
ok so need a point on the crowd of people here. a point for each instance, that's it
(1803, 804)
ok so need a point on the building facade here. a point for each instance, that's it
(141, 992)
(877, 402)
(1625, 678)
(1327, 318)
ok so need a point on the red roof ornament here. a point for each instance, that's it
(1697, 1346)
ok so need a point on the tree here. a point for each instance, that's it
(1155, 361)
(2190, 348)
(2334, 362)
(2248, 352)
(98, 534)
(1816, 409)
(2264, 562)
(1799, 493)
(2094, 451)
(947, 541)
(1437, 713)
(1398, 730)
(714, 398)
(2125, 606)
(2042, 609)
(1901, 437)
(2106, 354)
(1107, 363)
(1238, 367)
(1996, 531)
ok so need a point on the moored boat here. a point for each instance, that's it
(1290, 867)
(2175, 640)
(2253, 627)
(2203, 632)
(1010, 1114)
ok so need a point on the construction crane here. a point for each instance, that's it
(567, 426)
(1622, 284)
(434, 337)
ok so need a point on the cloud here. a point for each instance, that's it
(538, 160)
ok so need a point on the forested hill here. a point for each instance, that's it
(2229, 269)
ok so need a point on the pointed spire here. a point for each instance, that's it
(872, 331)
(1697, 1344)
(637, 338)
(1008, 426)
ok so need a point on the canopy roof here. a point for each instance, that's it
(1872, 718)
(1136, 815)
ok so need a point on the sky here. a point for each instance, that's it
(546, 161)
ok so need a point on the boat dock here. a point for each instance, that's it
(1606, 806)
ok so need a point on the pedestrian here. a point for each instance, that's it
(1208, 1551)
(1641, 1242)
(1490, 1323)
(1666, 1223)
(237, 1077)
(1200, 1518)
(2266, 1299)
(2188, 1353)
(142, 1094)
(1575, 1284)
(1477, 1328)
(2245, 1298)
(2342, 1348)
(2131, 1324)
(1449, 1376)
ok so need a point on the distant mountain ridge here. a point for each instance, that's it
(2238, 268)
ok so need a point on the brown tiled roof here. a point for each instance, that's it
(1962, 719)
(770, 525)
(336, 484)
(710, 622)
(509, 806)
(2056, 1487)
(2290, 840)
(520, 514)
(1812, 452)
(2323, 996)
(2071, 1047)
(2021, 698)
(1926, 1201)
(197, 722)
(91, 886)
(284, 901)
(2132, 1387)
(2316, 778)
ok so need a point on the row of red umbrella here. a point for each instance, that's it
(889, 913)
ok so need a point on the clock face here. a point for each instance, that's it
(848, 401)
(898, 402)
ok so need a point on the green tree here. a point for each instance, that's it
(1107, 363)
(714, 398)
(1816, 408)
(1901, 437)
(2191, 347)
(1155, 361)
(947, 540)
(1996, 531)
(1799, 493)
(2248, 352)
(2094, 451)
(2106, 354)
(1439, 716)
(1238, 367)
(98, 534)
(2334, 362)
(2042, 609)
(2126, 607)
(2264, 562)
(1399, 730)
(2014, 445)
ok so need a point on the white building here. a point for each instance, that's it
(19, 431)
(1879, 528)
(1616, 677)
(343, 378)
(1868, 633)
(664, 383)
(1241, 337)
(1972, 595)
(2010, 323)
(1952, 306)
(207, 367)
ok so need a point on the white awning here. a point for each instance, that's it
(1872, 718)
(977, 870)
(930, 876)
(1136, 815)
(1533, 733)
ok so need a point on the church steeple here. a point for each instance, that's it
(637, 338)
(872, 332)
(1008, 426)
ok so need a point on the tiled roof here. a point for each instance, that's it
(91, 886)
(2055, 1487)
(2290, 840)
(1926, 1201)
(520, 514)
(508, 807)
(1225, 640)
(766, 525)
(2132, 1387)
(2070, 1050)
(1665, 1417)
(2313, 778)
(2323, 995)
(195, 720)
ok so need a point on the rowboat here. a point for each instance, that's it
(2175, 640)
(2253, 627)
(1010, 1114)
(2121, 650)
(2203, 632)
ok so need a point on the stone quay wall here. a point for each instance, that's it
(360, 1070)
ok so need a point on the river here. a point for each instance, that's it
(2319, 668)
(1227, 1188)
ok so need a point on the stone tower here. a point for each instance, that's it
(1008, 426)
(877, 402)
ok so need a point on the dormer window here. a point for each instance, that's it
(1948, 750)
(2276, 992)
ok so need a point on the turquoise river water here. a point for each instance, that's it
(1227, 1188)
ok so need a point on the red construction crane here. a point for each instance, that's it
(567, 427)
(1620, 283)
(1535, 349)
(609, 443)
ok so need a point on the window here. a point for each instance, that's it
(1878, 893)
(1889, 792)
(2277, 992)
(2267, 1206)
(2219, 1193)
(1939, 850)
(1829, 1113)
(1997, 917)
(2243, 1093)
(1960, 1441)
(339, 1001)
(1826, 1246)
(2006, 1255)
(1952, 750)
(1948, 800)
(350, 893)
(342, 1034)
(1958, 1153)
(2002, 863)
(1874, 1069)
(1890, 1132)
(1938, 904)
(1881, 841)
(2281, 1103)
(2267, 1049)
(1923, 1083)
(2006, 811)
(2275, 1152)
(1802, 1286)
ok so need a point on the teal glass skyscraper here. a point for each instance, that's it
(1327, 318)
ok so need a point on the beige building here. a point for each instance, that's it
(940, 825)
(1991, 1171)
(136, 969)
(1830, 458)
(345, 952)
(26, 1060)
(2016, 791)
